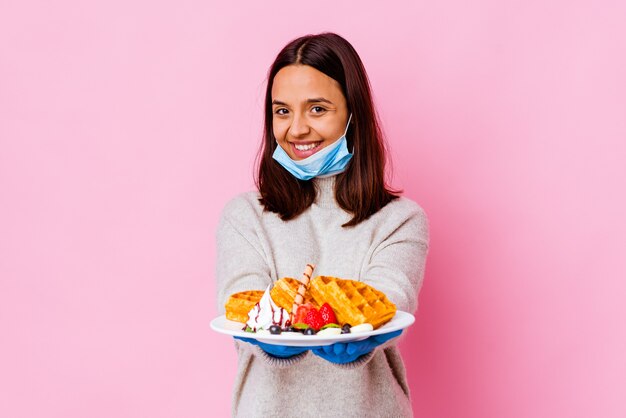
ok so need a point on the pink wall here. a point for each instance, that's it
(125, 127)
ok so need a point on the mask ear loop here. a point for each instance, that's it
(346, 132)
(347, 125)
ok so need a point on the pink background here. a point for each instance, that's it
(126, 126)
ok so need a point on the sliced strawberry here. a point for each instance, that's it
(301, 312)
(314, 319)
(328, 315)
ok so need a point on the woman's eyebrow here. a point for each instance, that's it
(314, 100)
(319, 99)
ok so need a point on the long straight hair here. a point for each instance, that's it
(360, 189)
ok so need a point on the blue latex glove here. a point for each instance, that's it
(341, 353)
(281, 351)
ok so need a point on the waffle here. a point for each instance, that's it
(353, 302)
(284, 292)
(239, 304)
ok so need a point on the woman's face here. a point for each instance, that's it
(309, 110)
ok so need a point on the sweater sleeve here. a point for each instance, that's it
(241, 265)
(240, 261)
(397, 263)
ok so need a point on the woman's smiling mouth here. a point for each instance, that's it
(305, 150)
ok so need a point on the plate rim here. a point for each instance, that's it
(406, 320)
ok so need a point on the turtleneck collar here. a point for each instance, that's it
(325, 187)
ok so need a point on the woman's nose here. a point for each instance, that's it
(299, 126)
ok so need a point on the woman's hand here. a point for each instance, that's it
(341, 353)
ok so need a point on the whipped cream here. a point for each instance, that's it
(365, 327)
(266, 313)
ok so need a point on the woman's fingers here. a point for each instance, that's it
(339, 348)
(356, 346)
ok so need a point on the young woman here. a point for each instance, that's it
(322, 199)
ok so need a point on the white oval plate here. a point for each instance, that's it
(222, 325)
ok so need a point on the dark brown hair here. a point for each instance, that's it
(361, 188)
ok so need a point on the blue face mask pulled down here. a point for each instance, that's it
(329, 160)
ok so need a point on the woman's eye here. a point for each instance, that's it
(278, 111)
(321, 109)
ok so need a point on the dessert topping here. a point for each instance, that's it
(266, 313)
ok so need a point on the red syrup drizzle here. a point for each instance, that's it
(281, 316)
(258, 312)
(256, 318)
(279, 323)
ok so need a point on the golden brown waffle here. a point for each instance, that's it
(284, 292)
(354, 302)
(239, 304)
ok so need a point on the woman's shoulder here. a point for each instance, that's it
(243, 205)
(404, 207)
(404, 214)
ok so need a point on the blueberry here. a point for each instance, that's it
(275, 329)
(289, 329)
(346, 329)
(309, 331)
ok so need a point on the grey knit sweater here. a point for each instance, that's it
(388, 251)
